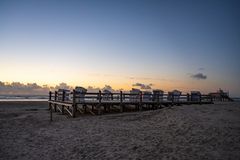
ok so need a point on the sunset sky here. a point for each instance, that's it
(165, 44)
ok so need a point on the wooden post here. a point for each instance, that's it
(63, 98)
(140, 100)
(55, 99)
(74, 106)
(111, 96)
(121, 97)
(109, 106)
(158, 100)
(100, 96)
(172, 99)
(100, 100)
(50, 95)
(121, 102)
(50, 111)
(50, 105)
(50, 98)
(157, 96)
(200, 99)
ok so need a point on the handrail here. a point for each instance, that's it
(122, 97)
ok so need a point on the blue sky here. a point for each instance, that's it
(121, 43)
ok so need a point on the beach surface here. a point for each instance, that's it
(181, 132)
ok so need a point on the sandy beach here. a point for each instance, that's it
(180, 132)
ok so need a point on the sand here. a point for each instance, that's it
(181, 132)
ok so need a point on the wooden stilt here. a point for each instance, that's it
(50, 105)
(55, 99)
(50, 98)
(200, 100)
(121, 101)
(74, 104)
(51, 112)
(63, 98)
(140, 102)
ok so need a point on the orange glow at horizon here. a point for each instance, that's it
(50, 75)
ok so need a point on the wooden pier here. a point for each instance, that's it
(74, 103)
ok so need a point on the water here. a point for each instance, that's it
(237, 99)
(23, 97)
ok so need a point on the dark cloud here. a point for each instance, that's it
(17, 88)
(199, 76)
(143, 86)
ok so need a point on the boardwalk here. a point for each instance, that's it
(75, 103)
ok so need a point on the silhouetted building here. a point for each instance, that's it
(174, 95)
(135, 95)
(147, 96)
(157, 95)
(107, 95)
(65, 93)
(80, 93)
(220, 95)
(195, 96)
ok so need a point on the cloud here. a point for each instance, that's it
(63, 86)
(96, 89)
(108, 87)
(17, 88)
(201, 69)
(199, 76)
(143, 86)
(93, 89)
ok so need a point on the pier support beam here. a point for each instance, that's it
(121, 102)
(50, 98)
(50, 105)
(74, 106)
(55, 99)
(63, 98)
(140, 101)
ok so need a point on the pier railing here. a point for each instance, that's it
(99, 97)
(72, 101)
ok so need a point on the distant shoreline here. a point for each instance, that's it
(237, 99)
(23, 100)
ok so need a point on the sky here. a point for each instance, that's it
(158, 44)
